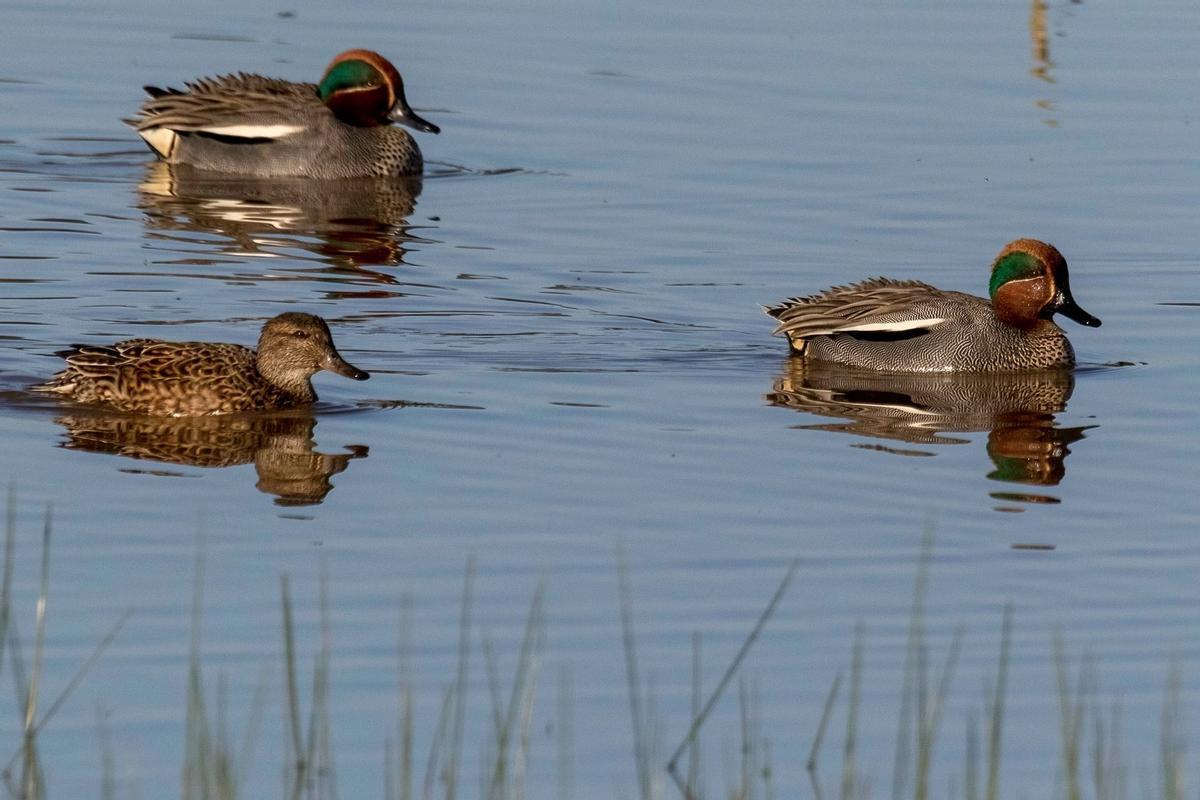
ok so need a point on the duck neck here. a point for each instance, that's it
(294, 383)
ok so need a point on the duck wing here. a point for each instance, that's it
(876, 306)
(238, 107)
(162, 362)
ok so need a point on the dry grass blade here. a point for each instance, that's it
(632, 679)
(81, 672)
(310, 772)
(31, 783)
(566, 732)
(755, 761)
(10, 546)
(971, 788)
(737, 660)
(31, 778)
(437, 743)
(1109, 773)
(692, 788)
(258, 703)
(699, 719)
(448, 734)
(930, 715)
(196, 734)
(526, 719)
(1172, 756)
(404, 725)
(212, 768)
(320, 746)
(108, 783)
(296, 740)
(996, 707)
(916, 635)
(822, 726)
(1071, 716)
(460, 682)
(492, 670)
(850, 747)
(519, 698)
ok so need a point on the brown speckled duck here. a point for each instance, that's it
(192, 379)
(266, 127)
(909, 326)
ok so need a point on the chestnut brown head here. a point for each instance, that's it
(362, 88)
(1030, 283)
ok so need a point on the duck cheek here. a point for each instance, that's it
(1020, 303)
(364, 107)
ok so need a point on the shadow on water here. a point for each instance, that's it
(1017, 410)
(280, 446)
(348, 224)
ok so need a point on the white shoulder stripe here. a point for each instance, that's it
(254, 131)
(892, 327)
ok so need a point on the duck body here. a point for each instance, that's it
(253, 125)
(909, 326)
(188, 379)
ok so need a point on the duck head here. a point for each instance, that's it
(1030, 283)
(362, 88)
(295, 346)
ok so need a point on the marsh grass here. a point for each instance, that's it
(23, 773)
(1093, 761)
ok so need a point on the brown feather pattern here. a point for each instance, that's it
(184, 379)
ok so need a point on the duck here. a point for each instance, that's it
(891, 325)
(246, 124)
(194, 379)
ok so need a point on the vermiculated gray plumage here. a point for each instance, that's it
(249, 124)
(892, 325)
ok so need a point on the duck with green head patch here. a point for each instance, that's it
(248, 124)
(910, 326)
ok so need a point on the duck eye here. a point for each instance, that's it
(300, 334)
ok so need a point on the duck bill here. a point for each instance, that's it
(403, 114)
(1071, 310)
(335, 363)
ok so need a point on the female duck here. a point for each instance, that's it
(909, 326)
(267, 127)
(193, 379)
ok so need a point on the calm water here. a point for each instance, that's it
(566, 352)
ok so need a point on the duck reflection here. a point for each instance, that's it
(281, 447)
(1016, 409)
(350, 224)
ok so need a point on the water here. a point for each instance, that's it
(562, 326)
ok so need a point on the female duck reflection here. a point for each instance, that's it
(1016, 409)
(280, 445)
(350, 224)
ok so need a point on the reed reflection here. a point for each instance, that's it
(1025, 443)
(1043, 66)
(349, 224)
(281, 447)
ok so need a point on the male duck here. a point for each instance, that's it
(267, 127)
(193, 379)
(909, 326)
